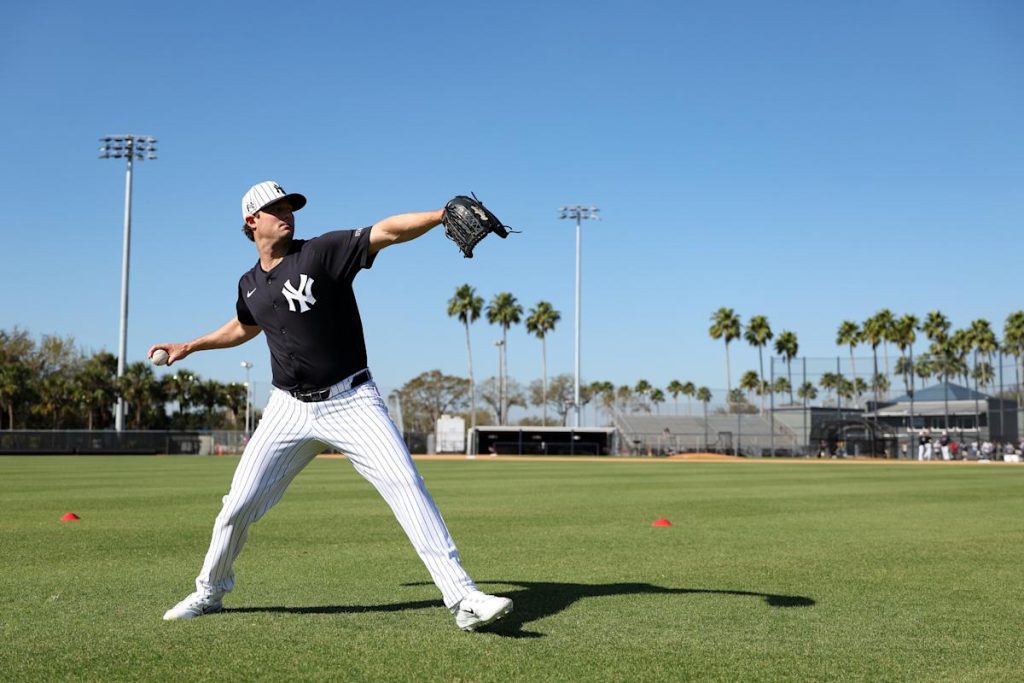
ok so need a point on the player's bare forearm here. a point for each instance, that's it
(402, 228)
(232, 333)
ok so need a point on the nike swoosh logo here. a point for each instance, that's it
(250, 292)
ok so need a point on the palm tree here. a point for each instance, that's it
(505, 311)
(704, 396)
(807, 392)
(849, 335)
(688, 391)
(830, 381)
(787, 346)
(759, 333)
(605, 391)
(782, 386)
(542, 319)
(939, 358)
(624, 396)
(958, 365)
(846, 389)
(657, 398)
(924, 367)
(209, 394)
(234, 399)
(466, 306)
(52, 398)
(904, 336)
(983, 373)
(179, 387)
(943, 352)
(97, 386)
(984, 338)
(873, 331)
(750, 382)
(674, 388)
(961, 343)
(587, 394)
(642, 389)
(1013, 344)
(936, 327)
(879, 384)
(725, 324)
(905, 368)
(860, 387)
(887, 326)
(140, 391)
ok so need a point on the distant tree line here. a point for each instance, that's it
(500, 393)
(52, 384)
(432, 394)
(965, 355)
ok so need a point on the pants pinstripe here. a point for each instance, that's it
(291, 433)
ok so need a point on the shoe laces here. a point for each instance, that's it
(199, 598)
(472, 600)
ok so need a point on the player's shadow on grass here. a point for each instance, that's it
(539, 599)
(535, 600)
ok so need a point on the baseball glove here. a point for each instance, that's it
(467, 221)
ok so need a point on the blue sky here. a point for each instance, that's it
(808, 161)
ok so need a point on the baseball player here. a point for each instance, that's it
(300, 295)
(944, 445)
(924, 446)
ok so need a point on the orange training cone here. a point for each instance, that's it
(661, 521)
(70, 517)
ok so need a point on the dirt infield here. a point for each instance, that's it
(705, 457)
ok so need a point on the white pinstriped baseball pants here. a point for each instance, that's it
(291, 433)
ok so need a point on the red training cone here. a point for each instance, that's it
(70, 517)
(661, 521)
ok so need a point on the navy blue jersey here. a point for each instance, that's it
(307, 309)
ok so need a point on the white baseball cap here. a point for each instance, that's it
(262, 195)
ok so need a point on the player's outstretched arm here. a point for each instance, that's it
(231, 333)
(402, 228)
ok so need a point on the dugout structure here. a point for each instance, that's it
(506, 440)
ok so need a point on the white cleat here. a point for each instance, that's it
(479, 609)
(195, 605)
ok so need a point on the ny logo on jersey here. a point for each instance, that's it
(303, 295)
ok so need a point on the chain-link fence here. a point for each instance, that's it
(736, 434)
(85, 442)
(835, 406)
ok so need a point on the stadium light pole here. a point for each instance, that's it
(130, 148)
(579, 213)
(248, 396)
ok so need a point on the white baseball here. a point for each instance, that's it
(159, 357)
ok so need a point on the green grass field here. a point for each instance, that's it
(771, 571)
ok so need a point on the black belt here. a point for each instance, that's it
(317, 395)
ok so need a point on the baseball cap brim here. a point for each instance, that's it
(297, 201)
